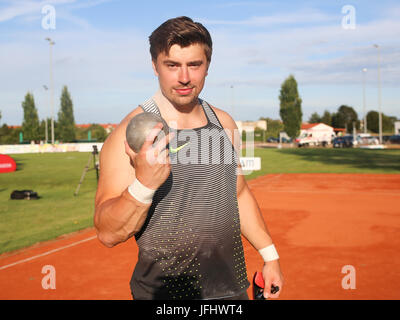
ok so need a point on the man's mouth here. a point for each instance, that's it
(184, 91)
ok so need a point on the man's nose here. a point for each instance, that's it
(184, 77)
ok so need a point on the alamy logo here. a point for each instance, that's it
(349, 18)
(208, 146)
(349, 280)
(49, 20)
(49, 280)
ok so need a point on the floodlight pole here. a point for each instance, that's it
(379, 92)
(51, 43)
(365, 113)
(45, 118)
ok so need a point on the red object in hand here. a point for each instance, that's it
(258, 287)
(259, 280)
(7, 164)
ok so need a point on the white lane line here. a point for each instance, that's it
(47, 253)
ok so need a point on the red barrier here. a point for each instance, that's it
(7, 164)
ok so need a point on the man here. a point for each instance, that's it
(181, 197)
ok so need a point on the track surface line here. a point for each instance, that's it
(47, 253)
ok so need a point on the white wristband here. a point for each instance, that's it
(141, 192)
(269, 253)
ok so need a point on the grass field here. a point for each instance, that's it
(321, 160)
(56, 176)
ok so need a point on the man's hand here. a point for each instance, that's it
(152, 164)
(272, 276)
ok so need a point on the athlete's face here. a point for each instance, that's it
(182, 73)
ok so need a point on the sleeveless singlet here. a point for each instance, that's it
(190, 245)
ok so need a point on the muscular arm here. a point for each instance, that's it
(118, 216)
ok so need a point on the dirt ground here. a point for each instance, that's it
(332, 231)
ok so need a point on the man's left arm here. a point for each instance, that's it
(254, 229)
(252, 224)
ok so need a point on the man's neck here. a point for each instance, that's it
(182, 116)
(166, 105)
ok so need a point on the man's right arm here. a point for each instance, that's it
(118, 215)
(118, 219)
(127, 182)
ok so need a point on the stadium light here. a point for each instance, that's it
(46, 132)
(365, 113)
(379, 92)
(51, 44)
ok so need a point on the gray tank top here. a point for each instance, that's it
(190, 245)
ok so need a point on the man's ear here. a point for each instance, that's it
(153, 63)
(208, 66)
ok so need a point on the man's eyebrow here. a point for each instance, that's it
(196, 63)
(170, 62)
(190, 63)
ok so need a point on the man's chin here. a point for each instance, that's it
(185, 101)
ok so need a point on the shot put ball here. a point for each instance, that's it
(139, 128)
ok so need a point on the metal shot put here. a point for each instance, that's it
(186, 215)
(139, 128)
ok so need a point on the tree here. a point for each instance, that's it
(327, 118)
(9, 135)
(66, 121)
(30, 125)
(98, 132)
(42, 128)
(345, 117)
(314, 118)
(373, 122)
(290, 107)
(274, 127)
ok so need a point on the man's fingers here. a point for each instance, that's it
(163, 157)
(130, 153)
(267, 289)
(128, 150)
(152, 135)
(164, 141)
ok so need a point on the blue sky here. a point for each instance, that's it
(101, 54)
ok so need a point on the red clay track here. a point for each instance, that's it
(319, 222)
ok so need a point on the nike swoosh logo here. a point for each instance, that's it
(175, 150)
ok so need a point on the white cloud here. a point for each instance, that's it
(20, 8)
(308, 16)
(321, 54)
(111, 70)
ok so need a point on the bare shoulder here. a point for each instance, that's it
(229, 126)
(116, 171)
(120, 130)
(225, 118)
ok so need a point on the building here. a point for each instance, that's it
(251, 125)
(317, 130)
(397, 127)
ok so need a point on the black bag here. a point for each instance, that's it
(24, 194)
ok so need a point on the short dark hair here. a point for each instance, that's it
(182, 31)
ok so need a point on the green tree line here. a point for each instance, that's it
(346, 117)
(65, 130)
